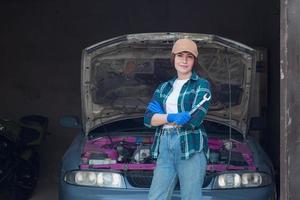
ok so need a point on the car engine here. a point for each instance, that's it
(133, 153)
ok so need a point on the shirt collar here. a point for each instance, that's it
(194, 76)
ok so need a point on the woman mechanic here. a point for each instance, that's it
(180, 142)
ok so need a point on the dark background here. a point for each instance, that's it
(41, 44)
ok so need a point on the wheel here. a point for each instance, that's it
(26, 177)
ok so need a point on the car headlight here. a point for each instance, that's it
(96, 179)
(239, 180)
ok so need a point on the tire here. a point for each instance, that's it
(26, 177)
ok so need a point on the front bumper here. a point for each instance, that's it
(71, 192)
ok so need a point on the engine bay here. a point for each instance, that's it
(133, 153)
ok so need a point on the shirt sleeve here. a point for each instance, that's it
(199, 115)
(148, 113)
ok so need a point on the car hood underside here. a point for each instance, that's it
(120, 75)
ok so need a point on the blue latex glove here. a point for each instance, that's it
(179, 118)
(154, 106)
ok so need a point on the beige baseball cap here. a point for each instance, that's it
(185, 45)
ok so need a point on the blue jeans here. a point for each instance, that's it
(170, 167)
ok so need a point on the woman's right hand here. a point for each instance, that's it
(179, 118)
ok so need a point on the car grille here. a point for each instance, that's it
(142, 179)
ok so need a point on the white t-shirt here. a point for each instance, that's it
(172, 100)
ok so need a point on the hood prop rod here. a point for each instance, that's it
(229, 145)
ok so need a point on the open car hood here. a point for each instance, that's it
(120, 75)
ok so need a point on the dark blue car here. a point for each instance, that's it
(110, 157)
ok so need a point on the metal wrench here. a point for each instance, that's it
(205, 98)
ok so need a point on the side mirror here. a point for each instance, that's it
(69, 122)
(257, 124)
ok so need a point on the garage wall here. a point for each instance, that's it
(289, 104)
(41, 43)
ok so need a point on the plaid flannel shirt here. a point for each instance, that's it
(193, 137)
